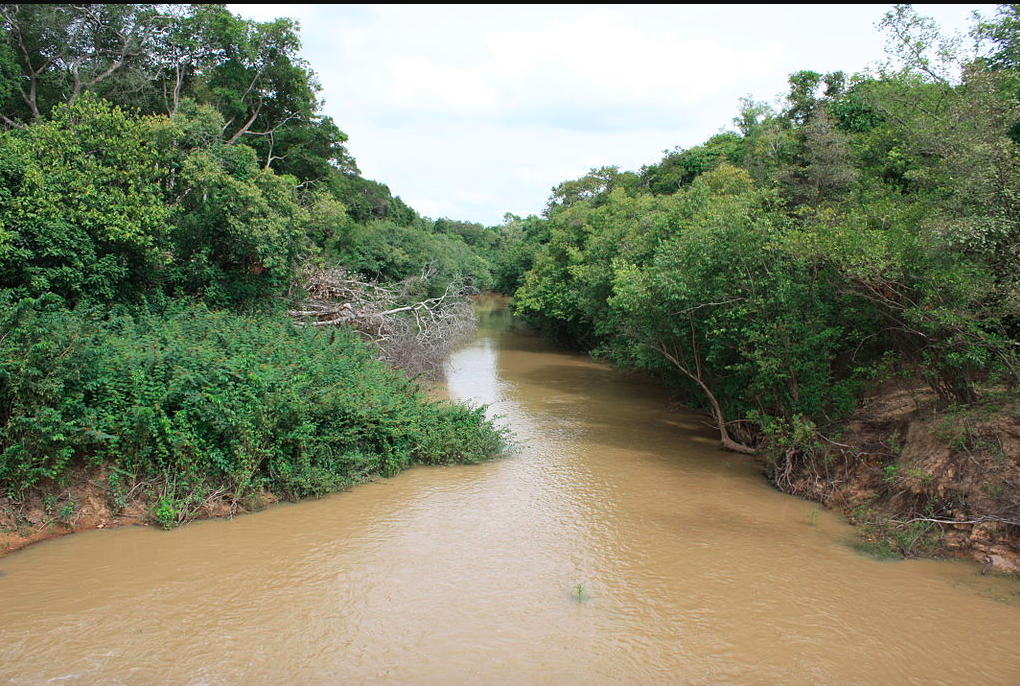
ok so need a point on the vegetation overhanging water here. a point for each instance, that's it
(197, 283)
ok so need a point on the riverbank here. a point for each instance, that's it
(692, 566)
(185, 412)
(90, 499)
(917, 477)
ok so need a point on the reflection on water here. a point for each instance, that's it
(697, 571)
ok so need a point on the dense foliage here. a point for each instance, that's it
(200, 399)
(773, 270)
(166, 178)
(181, 149)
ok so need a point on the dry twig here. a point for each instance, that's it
(413, 332)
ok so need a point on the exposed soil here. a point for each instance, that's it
(919, 477)
(88, 501)
(82, 505)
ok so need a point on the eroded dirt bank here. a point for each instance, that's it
(693, 569)
(918, 477)
(95, 499)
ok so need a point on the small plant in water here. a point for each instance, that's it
(813, 517)
(579, 593)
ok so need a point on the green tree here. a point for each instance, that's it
(85, 215)
(593, 186)
(680, 167)
(824, 169)
(241, 230)
(64, 51)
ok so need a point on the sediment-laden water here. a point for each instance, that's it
(689, 567)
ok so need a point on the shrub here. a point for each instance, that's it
(192, 396)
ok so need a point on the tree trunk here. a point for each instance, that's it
(726, 441)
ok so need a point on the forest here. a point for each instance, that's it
(858, 237)
(168, 187)
(168, 184)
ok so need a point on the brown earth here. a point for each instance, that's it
(919, 477)
(88, 501)
(80, 506)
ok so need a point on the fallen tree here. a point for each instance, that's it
(413, 332)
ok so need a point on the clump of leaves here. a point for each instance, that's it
(212, 401)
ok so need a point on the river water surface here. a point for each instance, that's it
(691, 569)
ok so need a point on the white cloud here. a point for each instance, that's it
(594, 71)
(473, 197)
(428, 207)
(600, 59)
(419, 84)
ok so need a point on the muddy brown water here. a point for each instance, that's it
(692, 569)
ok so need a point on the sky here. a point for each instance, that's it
(469, 112)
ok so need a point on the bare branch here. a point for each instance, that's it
(978, 520)
(413, 332)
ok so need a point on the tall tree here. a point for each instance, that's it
(63, 51)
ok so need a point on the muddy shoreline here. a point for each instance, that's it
(86, 503)
(872, 492)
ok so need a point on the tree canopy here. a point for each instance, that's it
(773, 270)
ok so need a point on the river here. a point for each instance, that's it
(616, 546)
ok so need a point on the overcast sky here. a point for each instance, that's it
(470, 112)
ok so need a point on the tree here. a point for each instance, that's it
(915, 43)
(680, 167)
(802, 96)
(241, 230)
(85, 215)
(824, 168)
(257, 81)
(62, 51)
(595, 184)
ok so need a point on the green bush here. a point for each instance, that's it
(190, 396)
(102, 205)
(84, 212)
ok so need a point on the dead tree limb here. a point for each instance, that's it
(413, 332)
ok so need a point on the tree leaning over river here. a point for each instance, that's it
(868, 222)
(858, 240)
